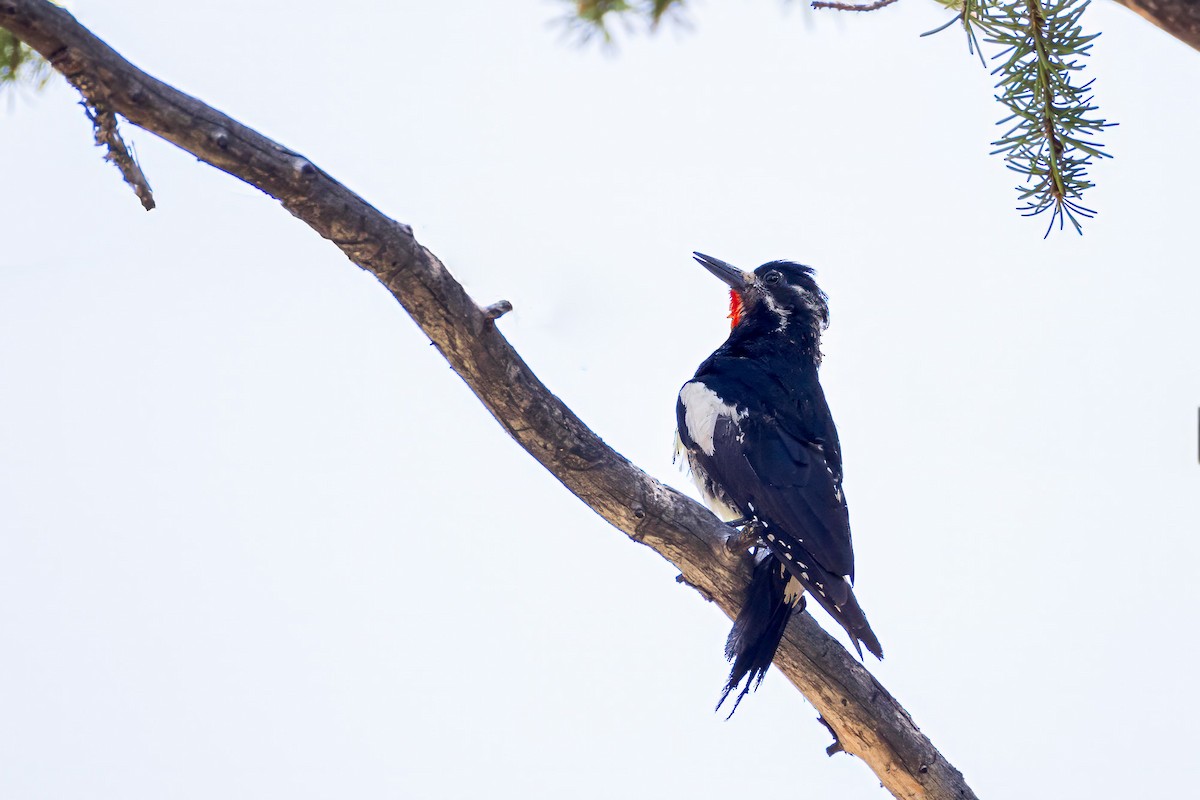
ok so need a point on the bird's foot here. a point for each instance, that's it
(748, 536)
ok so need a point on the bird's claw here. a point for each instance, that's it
(744, 538)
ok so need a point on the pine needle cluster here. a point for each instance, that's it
(20, 65)
(1052, 124)
(590, 19)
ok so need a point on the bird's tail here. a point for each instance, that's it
(835, 596)
(758, 628)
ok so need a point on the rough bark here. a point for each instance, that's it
(1180, 18)
(868, 721)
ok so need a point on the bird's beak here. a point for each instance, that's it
(731, 275)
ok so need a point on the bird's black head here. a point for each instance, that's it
(778, 297)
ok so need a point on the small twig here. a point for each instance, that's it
(680, 578)
(105, 124)
(497, 309)
(836, 747)
(878, 4)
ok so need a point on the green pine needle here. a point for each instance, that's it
(590, 19)
(20, 64)
(1051, 120)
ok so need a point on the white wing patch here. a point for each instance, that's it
(701, 407)
(793, 590)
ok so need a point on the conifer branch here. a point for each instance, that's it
(1052, 118)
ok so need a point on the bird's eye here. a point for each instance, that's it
(772, 278)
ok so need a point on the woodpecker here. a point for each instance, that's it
(762, 447)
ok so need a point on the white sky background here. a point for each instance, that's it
(259, 540)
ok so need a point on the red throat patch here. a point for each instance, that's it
(735, 308)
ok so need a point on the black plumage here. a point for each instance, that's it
(762, 447)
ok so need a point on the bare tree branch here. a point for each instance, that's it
(867, 721)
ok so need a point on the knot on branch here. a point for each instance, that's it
(303, 169)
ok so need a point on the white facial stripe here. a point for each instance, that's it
(779, 311)
(701, 407)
